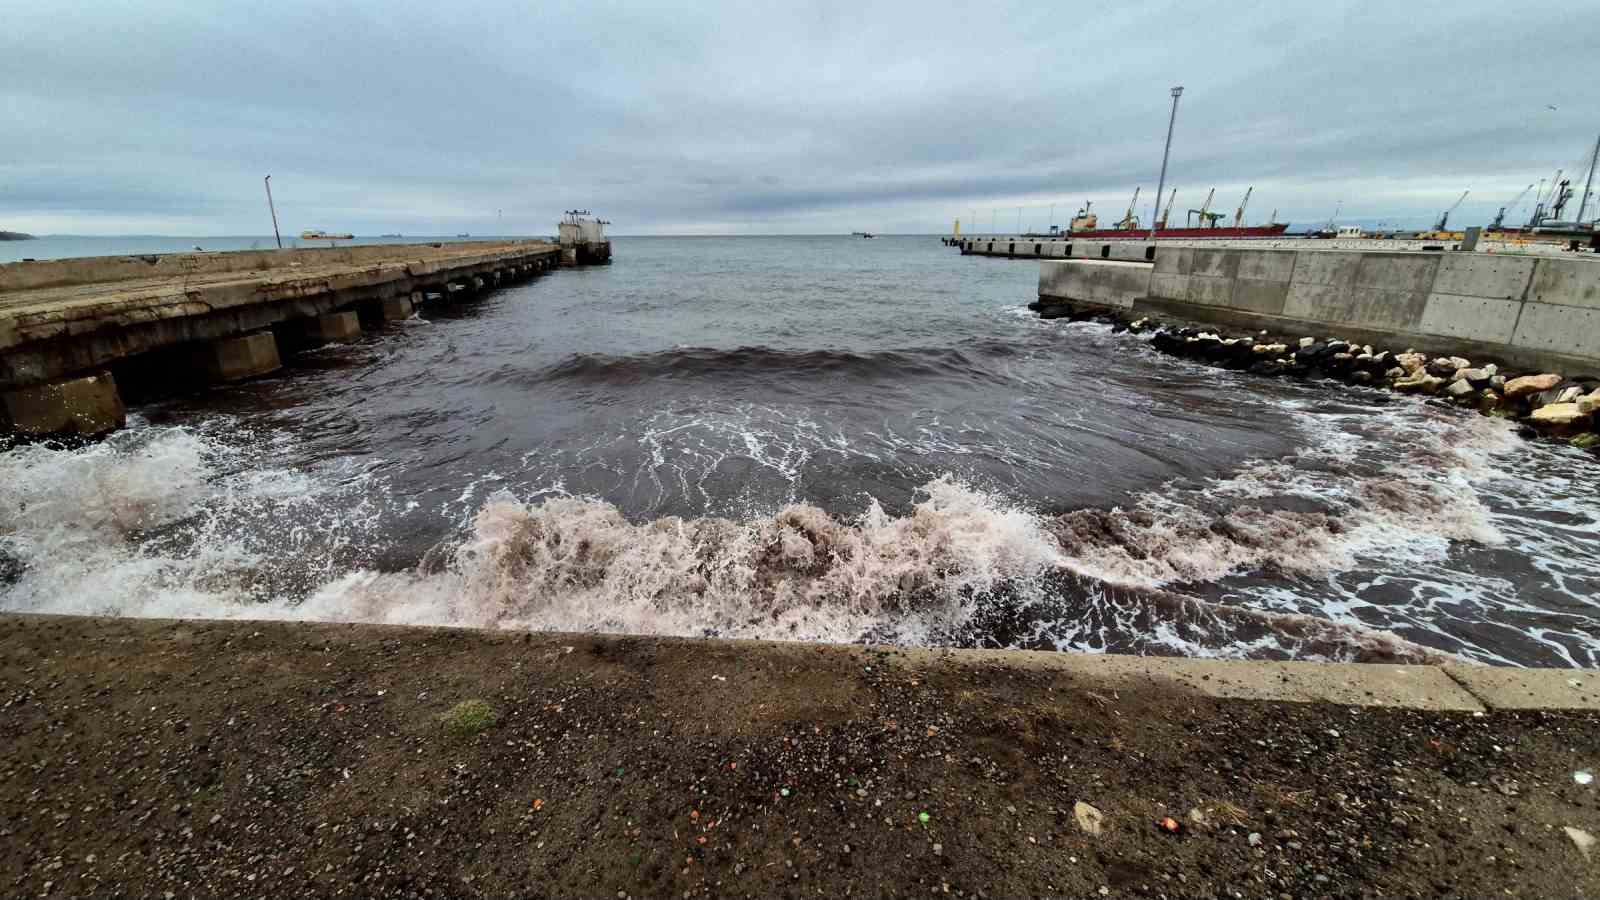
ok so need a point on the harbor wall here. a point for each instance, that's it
(1538, 312)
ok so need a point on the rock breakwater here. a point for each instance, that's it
(1547, 404)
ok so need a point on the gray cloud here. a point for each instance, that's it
(436, 118)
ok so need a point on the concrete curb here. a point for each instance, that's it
(1451, 688)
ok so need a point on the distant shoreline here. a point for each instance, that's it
(16, 236)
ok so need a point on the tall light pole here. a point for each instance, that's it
(1162, 184)
(274, 211)
(1584, 203)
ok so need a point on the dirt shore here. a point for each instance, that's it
(208, 759)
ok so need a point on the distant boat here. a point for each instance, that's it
(391, 235)
(319, 235)
(862, 234)
(463, 234)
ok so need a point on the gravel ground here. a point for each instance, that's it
(208, 759)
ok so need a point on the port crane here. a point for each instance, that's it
(1444, 217)
(1238, 214)
(1130, 222)
(1500, 217)
(1539, 201)
(1563, 194)
(1208, 219)
(1161, 222)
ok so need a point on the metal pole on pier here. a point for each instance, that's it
(1584, 203)
(1162, 184)
(274, 210)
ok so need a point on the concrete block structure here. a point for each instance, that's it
(86, 406)
(1102, 282)
(332, 328)
(582, 239)
(247, 356)
(1537, 312)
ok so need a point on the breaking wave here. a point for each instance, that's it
(709, 362)
(168, 522)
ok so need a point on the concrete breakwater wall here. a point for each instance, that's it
(1521, 311)
(66, 325)
(1497, 331)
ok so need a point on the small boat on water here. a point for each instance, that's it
(862, 234)
(317, 234)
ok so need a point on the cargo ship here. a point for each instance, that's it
(1202, 225)
(316, 234)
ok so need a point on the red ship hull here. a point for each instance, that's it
(1167, 234)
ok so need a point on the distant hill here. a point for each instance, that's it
(15, 236)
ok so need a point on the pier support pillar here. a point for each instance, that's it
(338, 327)
(238, 358)
(86, 406)
(389, 309)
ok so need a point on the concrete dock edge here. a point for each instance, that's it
(1451, 688)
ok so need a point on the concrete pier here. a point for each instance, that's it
(63, 323)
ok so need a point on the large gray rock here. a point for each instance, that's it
(1419, 382)
(1559, 415)
(1530, 384)
(1442, 367)
(1460, 389)
(1412, 361)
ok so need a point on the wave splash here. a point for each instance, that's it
(164, 522)
(575, 564)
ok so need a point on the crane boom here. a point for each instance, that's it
(1500, 217)
(1167, 213)
(1204, 212)
(1130, 222)
(1444, 217)
(1238, 214)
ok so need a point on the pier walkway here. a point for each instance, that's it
(67, 325)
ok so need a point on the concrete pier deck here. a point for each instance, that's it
(244, 759)
(66, 325)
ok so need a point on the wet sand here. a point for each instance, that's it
(159, 758)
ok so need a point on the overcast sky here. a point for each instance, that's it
(705, 117)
